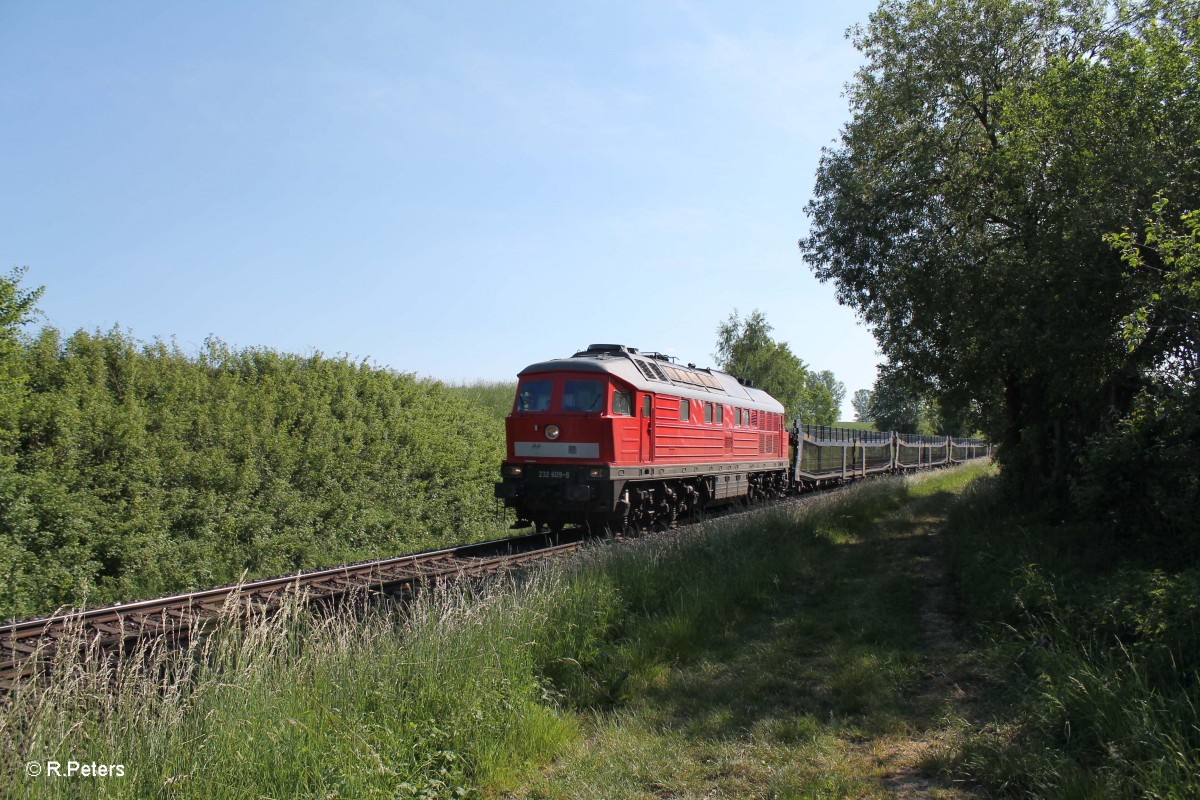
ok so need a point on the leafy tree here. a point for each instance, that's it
(825, 396)
(899, 403)
(955, 415)
(745, 349)
(1145, 473)
(992, 145)
(861, 403)
(16, 309)
(896, 406)
(1166, 266)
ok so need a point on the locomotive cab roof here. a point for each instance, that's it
(655, 372)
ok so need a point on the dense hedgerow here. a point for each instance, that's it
(137, 469)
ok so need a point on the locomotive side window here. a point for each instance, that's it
(720, 414)
(646, 406)
(534, 396)
(583, 396)
(685, 409)
(708, 413)
(622, 403)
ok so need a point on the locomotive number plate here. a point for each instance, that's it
(554, 474)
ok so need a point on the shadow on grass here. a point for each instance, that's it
(844, 647)
(814, 681)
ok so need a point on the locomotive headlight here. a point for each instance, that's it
(596, 472)
(551, 432)
(515, 470)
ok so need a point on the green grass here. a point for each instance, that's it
(812, 650)
(779, 653)
(423, 703)
(856, 426)
(1091, 643)
(786, 657)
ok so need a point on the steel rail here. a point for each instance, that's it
(29, 646)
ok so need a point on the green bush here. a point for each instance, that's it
(138, 469)
(1144, 476)
(1093, 648)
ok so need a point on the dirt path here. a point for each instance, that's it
(902, 761)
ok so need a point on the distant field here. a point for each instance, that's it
(494, 397)
(856, 426)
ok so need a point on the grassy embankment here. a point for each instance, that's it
(798, 652)
(777, 653)
(1088, 646)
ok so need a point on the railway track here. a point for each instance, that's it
(30, 646)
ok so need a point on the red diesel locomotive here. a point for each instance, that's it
(617, 439)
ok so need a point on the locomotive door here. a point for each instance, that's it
(646, 424)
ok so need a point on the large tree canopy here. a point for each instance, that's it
(992, 145)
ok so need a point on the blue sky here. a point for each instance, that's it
(451, 189)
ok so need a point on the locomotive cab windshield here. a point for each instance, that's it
(534, 396)
(583, 395)
(574, 396)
